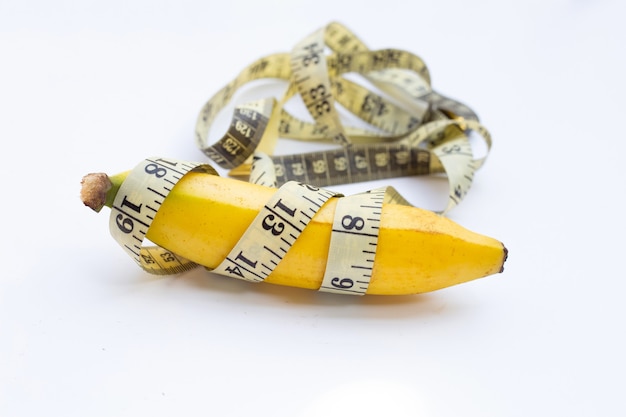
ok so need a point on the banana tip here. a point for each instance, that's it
(506, 255)
(94, 189)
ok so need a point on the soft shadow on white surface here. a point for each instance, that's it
(205, 280)
(391, 398)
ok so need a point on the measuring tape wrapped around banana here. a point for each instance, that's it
(301, 234)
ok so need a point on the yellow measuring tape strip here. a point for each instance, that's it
(136, 203)
(413, 129)
(410, 130)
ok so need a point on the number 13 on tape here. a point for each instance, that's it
(273, 231)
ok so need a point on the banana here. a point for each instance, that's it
(204, 216)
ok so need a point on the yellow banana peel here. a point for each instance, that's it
(418, 251)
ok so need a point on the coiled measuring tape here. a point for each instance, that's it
(414, 131)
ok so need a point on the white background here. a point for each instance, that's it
(97, 86)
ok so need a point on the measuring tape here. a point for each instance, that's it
(411, 130)
(268, 238)
(273, 231)
(136, 203)
(414, 130)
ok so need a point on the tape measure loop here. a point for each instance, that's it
(354, 236)
(407, 128)
(136, 203)
(273, 232)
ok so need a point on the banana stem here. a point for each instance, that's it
(99, 190)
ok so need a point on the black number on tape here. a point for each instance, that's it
(279, 204)
(344, 283)
(125, 224)
(247, 261)
(157, 171)
(312, 57)
(275, 227)
(348, 222)
(134, 207)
